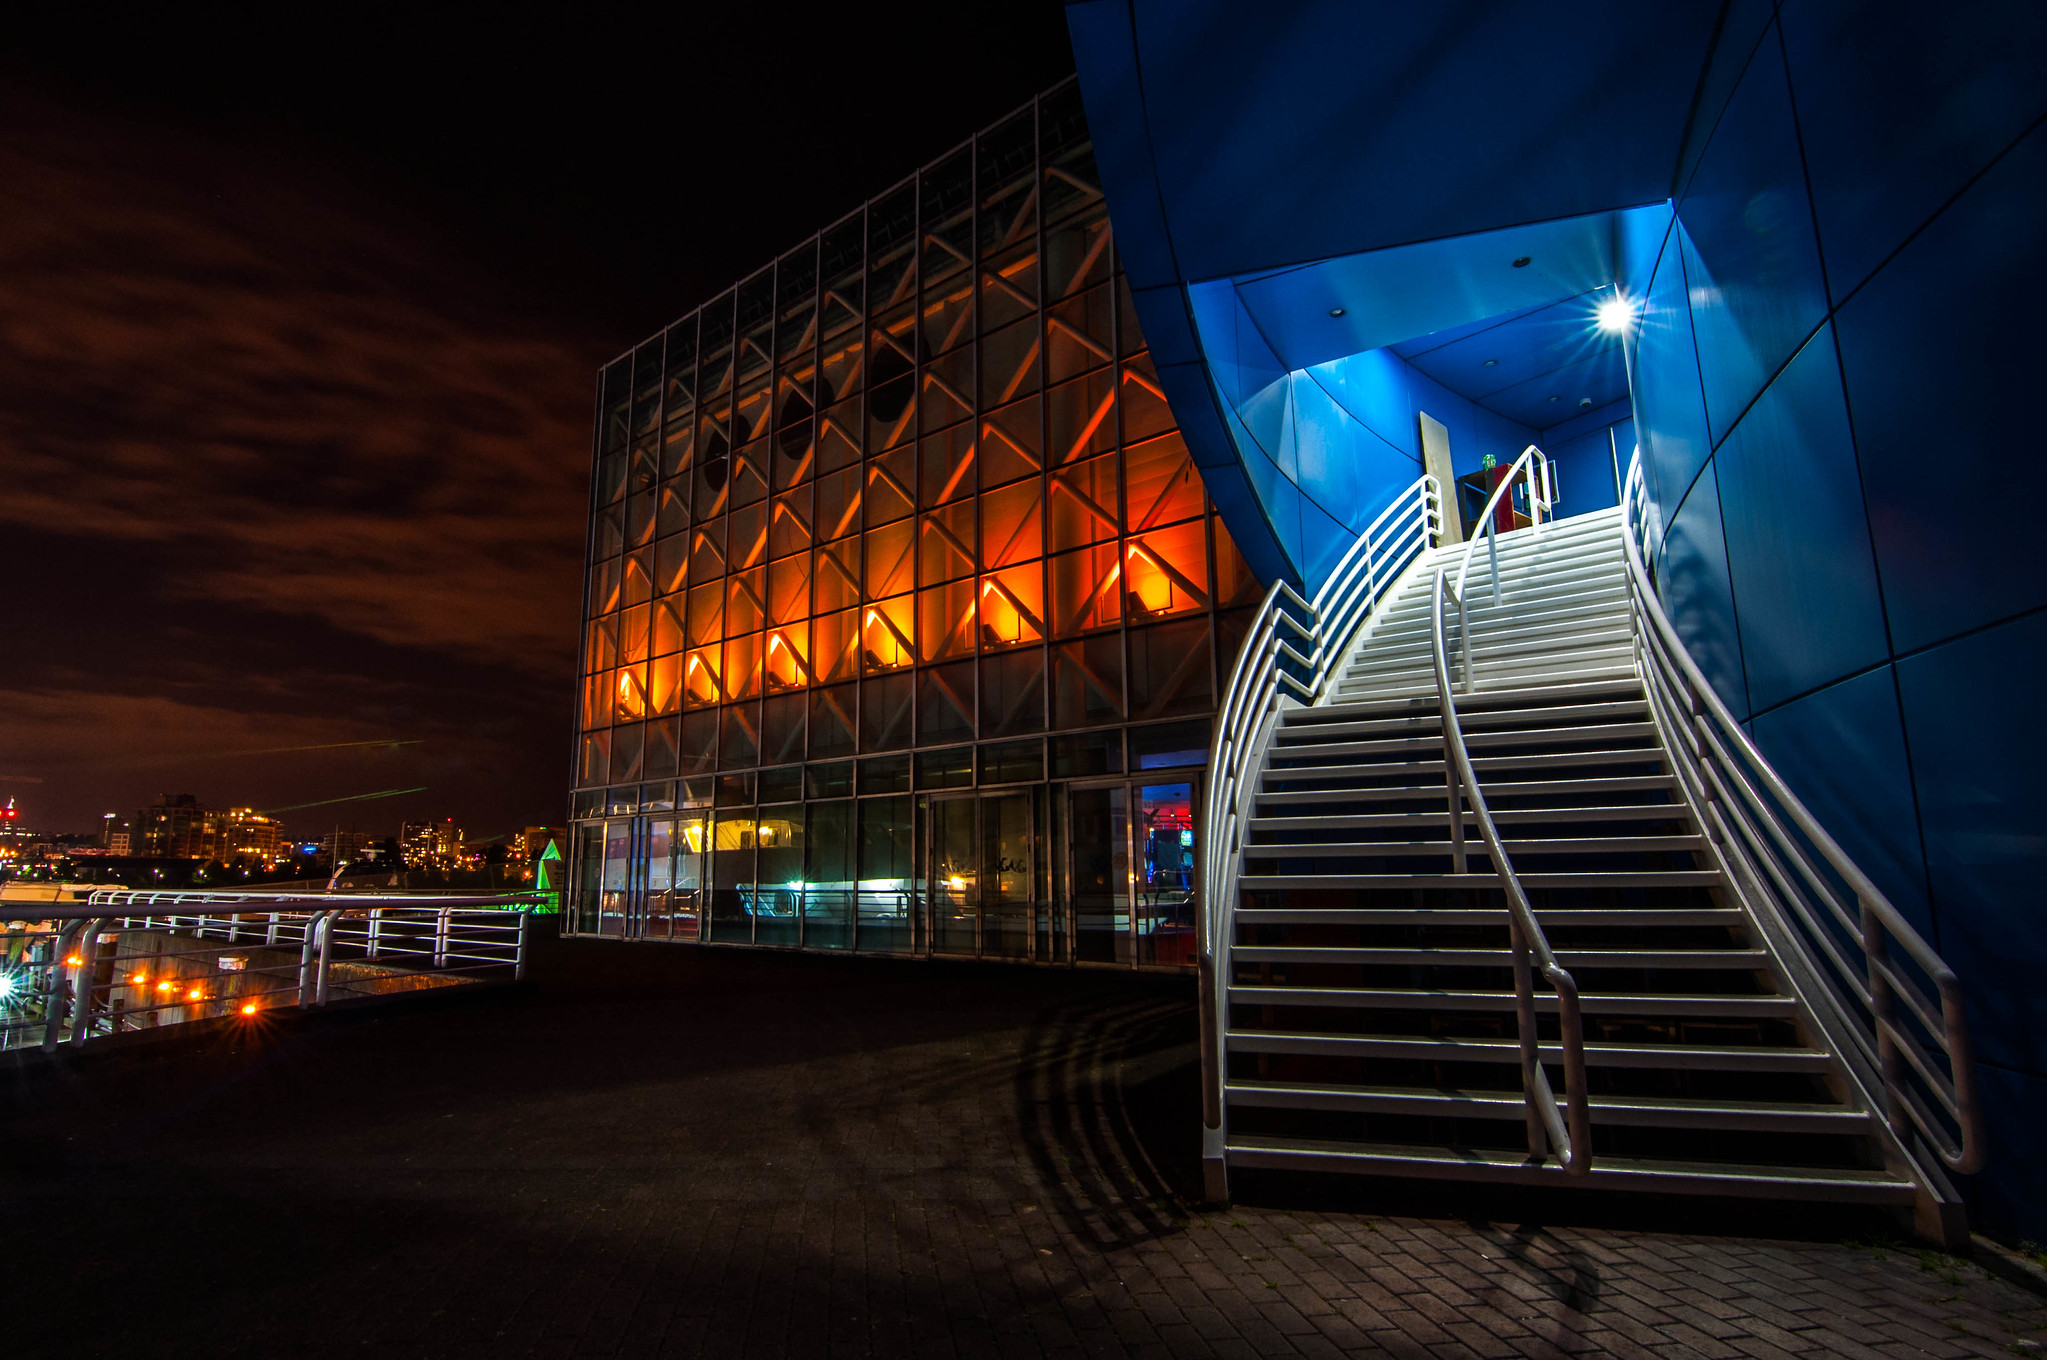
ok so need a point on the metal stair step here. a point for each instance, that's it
(1667, 1112)
(1551, 918)
(1482, 882)
(1521, 788)
(1839, 1185)
(1572, 959)
(1624, 812)
(1587, 845)
(1300, 722)
(1630, 688)
(1415, 999)
(1684, 1057)
(1473, 741)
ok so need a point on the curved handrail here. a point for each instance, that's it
(1533, 465)
(1270, 667)
(1747, 804)
(1546, 1128)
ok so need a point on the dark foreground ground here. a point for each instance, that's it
(675, 1152)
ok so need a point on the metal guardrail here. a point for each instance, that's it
(1531, 469)
(125, 960)
(1291, 652)
(1567, 1134)
(1798, 882)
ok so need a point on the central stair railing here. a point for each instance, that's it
(1532, 470)
(1293, 650)
(1799, 885)
(1565, 1133)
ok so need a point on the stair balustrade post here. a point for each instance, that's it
(1531, 1052)
(326, 956)
(53, 998)
(1883, 1009)
(88, 967)
(1458, 860)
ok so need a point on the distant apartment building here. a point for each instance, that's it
(348, 847)
(177, 826)
(248, 834)
(431, 845)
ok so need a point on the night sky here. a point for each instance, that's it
(298, 330)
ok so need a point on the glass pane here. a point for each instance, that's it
(732, 876)
(887, 906)
(1099, 839)
(612, 904)
(1007, 879)
(660, 879)
(829, 878)
(955, 915)
(583, 908)
(686, 887)
(778, 879)
(1165, 874)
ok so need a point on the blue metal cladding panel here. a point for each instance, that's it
(1372, 388)
(1692, 581)
(1843, 749)
(1897, 112)
(1797, 539)
(1751, 259)
(1972, 717)
(1669, 409)
(1414, 121)
(2012, 1102)
(1944, 354)
(1584, 467)
(1743, 25)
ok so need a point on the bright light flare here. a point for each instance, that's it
(248, 1008)
(1614, 315)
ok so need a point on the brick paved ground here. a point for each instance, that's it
(668, 1153)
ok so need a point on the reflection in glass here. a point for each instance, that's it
(955, 877)
(1099, 831)
(1165, 874)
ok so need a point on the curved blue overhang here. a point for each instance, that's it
(1267, 167)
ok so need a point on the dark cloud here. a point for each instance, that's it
(273, 472)
(297, 343)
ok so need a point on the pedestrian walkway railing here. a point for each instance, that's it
(130, 960)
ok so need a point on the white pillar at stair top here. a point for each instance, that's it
(1436, 462)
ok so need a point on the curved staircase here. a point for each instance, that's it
(1364, 998)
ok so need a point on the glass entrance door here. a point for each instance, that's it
(983, 875)
(1007, 875)
(1098, 838)
(955, 877)
(1132, 883)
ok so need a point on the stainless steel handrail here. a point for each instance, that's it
(1751, 815)
(1270, 669)
(1533, 464)
(1546, 1126)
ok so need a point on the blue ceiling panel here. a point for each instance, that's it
(1421, 121)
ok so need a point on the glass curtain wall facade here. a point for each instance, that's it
(906, 609)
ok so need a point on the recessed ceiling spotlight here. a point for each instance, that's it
(1523, 262)
(1584, 401)
(1556, 399)
(1336, 311)
(1491, 363)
